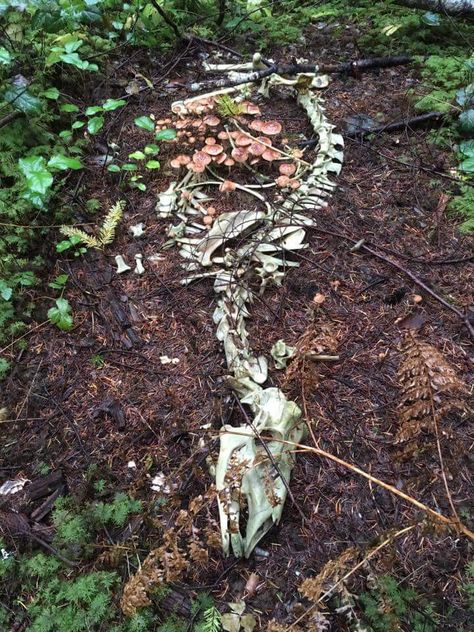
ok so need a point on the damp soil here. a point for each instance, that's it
(100, 395)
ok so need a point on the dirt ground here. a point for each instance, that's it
(69, 410)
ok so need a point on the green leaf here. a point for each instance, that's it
(137, 155)
(5, 291)
(113, 168)
(38, 178)
(61, 315)
(467, 165)
(63, 245)
(465, 96)
(152, 150)
(51, 93)
(66, 135)
(26, 278)
(59, 282)
(5, 56)
(22, 100)
(95, 124)
(58, 161)
(129, 167)
(68, 107)
(466, 148)
(113, 104)
(430, 18)
(78, 124)
(93, 109)
(166, 134)
(145, 122)
(466, 121)
(152, 164)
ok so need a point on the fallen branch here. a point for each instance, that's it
(453, 8)
(350, 67)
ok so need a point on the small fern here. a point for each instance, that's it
(106, 232)
(227, 107)
(210, 621)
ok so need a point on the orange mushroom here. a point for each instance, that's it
(210, 140)
(287, 169)
(242, 140)
(282, 181)
(271, 128)
(240, 154)
(213, 150)
(270, 155)
(212, 120)
(227, 186)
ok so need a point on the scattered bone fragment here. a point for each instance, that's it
(137, 230)
(121, 265)
(139, 269)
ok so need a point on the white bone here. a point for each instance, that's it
(139, 269)
(121, 265)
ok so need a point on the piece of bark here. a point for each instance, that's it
(45, 485)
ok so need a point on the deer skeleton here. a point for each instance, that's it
(246, 477)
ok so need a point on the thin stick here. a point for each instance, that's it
(438, 516)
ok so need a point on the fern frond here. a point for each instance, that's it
(89, 240)
(211, 620)
(427, 380)
(113, 217)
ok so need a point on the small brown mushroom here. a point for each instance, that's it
(256, 149)
(223, 135)
(220, 158)
(295, 184)
(195, 167)
(270, 154)
(271, 128)
(227, 186)
(183, 123)
(243, 140)
(256, 125)
(210, 140)
(211, 210)
(212, 120)
(213, 150)
(229, 162)
(282, 181)
(287, 169)
(253, 109)
(207, 220)
(180, 161)
(240, 154)
(267, 142)
(201, 158)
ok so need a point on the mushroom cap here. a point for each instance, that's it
(195, 167)
(271, 128)
(207, 220)
(253, 109)
(212, 120)
(282, 181)
(213, 150)
(296, 153)
(211, 210)
(295, 184)
(270, 154)
(257, 149)
(243, 140)
(223, 135)
(201, 158)
(256, 125)
(183, 159)
(267, 142)
(182, 123)
(175, 163)
(210, 140)
(227, 186)
(240, 154)
(220, 158)
(229, 162)
(197, 122)
(287, 169)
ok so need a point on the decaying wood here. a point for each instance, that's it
(348, 68)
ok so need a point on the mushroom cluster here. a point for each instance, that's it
(229, 141)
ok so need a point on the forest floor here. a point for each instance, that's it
(88, 402)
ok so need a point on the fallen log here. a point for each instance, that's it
(453, 8)
(355, 68)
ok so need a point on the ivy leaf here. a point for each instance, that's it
(113, 104)
(78, 124)
(145, 122)
(137, 155)
(152, 164)
(38, 178)
(113, 168)
(5, 56)
(58, 161)
(166, 134)
(466, 121)
(68, 107)
(129, 166)
(51, 93)
(95, 124)
(61, 315)
(466, 148)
